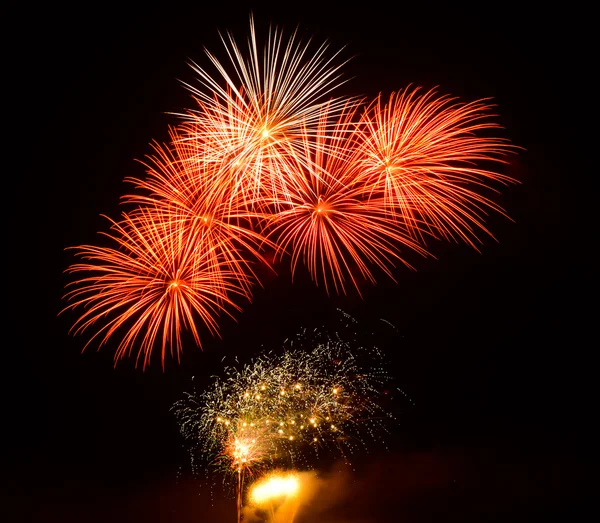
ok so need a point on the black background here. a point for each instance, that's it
(489, 346)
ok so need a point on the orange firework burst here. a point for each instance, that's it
(332, 222)
(254, 124)
(243, 454)
(187, 188)
(269, 159)
(160, 278)
(422, 159)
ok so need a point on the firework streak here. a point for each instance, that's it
(269, 159)
(322, 393)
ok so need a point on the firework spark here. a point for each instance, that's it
(321, 394)
(275, 485)
(159, 279)
(269, 160)
(180, 182)
(252, 122)
(422, 159)
(332, 221)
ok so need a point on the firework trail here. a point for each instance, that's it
(323, 393)
(187, 245)
(422, 160)
(180, 183)
(160, 278)
(332, 221)
(270, 161)
(253, 122)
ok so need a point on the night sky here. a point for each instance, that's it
(487, 345)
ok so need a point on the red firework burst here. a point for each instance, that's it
(253, 123)
(332, 220)
(422, 159)
(160, 278)
(185, 187)
(268, 159)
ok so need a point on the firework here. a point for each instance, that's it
(252, 122)
(332, 221)
(423, 158)
(159, 279)
(182, 184)
(320, 394)
(269, 161)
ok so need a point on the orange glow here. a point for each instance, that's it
(421, 159)
(275, 485)
(161, 277)
(254, 124)
(269, 166)
(329, 222)
(184, 187)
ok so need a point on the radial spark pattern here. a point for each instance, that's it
(160, 278)
(181, 185)
(332, 222)
(253, 121)
(323, 393)
(272, 159)
(427, 159)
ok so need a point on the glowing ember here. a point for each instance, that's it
(274, 486)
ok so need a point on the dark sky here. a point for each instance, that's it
(488, 345)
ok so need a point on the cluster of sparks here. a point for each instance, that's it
(268, 160)
(324, 394)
